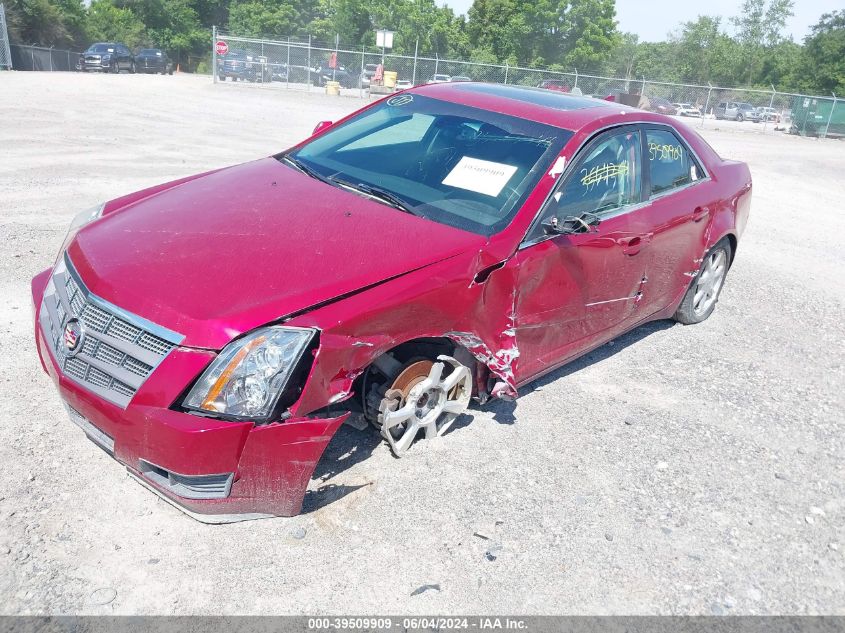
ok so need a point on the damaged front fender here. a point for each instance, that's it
(435, 302)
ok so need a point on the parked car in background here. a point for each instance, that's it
(687, 109)
(299, 74)
(153, 60)
(323, 73)
(736, 111)
(213, 333)
(439, 79)
(258, 68)
(554, 84)
(233, 64)
(107, 57)
(279, 72)
(404, 84)
(461, 78)
(659, 105)
(769, 114)
(368, 74)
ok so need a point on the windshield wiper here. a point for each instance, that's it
(305, 169)
(380, 194)
(368, 190)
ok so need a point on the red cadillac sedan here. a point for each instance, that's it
(449, 243)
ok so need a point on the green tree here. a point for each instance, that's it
(623, 58)
(824, 51)
(705, 53)
(59, 23)
(567, 33)
(498, 27)
(110, 23)
(657, 60)
(591, 34)
(263, 18)
(759, 28)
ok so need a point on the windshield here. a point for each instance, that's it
(461, 166)
(100, 48)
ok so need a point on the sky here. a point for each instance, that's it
(652, 20)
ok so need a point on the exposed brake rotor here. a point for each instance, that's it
(420, 397)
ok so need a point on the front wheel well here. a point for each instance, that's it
(372, 382)
(733, 242)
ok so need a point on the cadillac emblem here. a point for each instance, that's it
(73, 336)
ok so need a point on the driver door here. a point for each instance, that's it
(578, 289)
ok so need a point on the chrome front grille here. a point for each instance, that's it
(118, 350)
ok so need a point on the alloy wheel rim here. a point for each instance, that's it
(432, 405)
(709, 282)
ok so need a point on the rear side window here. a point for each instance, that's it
(670, 163)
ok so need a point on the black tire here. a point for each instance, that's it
(740, 117)
(688, 313)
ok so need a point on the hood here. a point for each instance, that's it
(230, 251)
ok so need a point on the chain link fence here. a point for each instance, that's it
(304, 65)
(5, 53)
(42, 58)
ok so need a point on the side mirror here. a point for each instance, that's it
(570, 225)
(322, 125)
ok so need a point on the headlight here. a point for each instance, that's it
(80, 220)
(249, 375)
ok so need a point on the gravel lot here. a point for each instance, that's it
(686, 470)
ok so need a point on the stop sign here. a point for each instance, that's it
(221, 47)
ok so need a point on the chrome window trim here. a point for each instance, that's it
(641, 126)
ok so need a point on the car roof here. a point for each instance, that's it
(558, 109)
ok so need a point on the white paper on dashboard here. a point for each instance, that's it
(482, 176)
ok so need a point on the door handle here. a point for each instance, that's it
(632, 245)
(699, 213)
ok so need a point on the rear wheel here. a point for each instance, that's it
(425, 396)
(703, 294)
(740, 117)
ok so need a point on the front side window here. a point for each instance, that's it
(606, 179)
(465, 167)
(669, 161)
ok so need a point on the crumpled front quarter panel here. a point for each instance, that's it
(441, 300)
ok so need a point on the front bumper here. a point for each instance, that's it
(144, 67)
(270, 465)
(91, 65)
